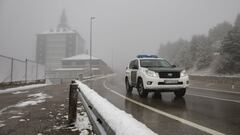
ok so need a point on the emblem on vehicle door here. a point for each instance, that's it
(170, 74)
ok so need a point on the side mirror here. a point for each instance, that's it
(174, 66)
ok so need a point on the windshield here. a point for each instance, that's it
(154, 63)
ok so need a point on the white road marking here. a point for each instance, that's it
(94, 78)
(223, 99)
(189, 123)
(223, 91)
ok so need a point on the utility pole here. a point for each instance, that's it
(90, 62)
(26, 64)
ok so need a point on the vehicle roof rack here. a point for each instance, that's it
(147, 56)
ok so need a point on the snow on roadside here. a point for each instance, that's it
(22, 88)
(34, 100)
(83, 124)
(38, 98)
(1, 124)
(121, 122)
(19, 92)
(14, 117)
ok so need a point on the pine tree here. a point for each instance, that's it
(201, 51)
(220, 31)
(230, 51)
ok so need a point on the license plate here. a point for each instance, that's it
(171, 81)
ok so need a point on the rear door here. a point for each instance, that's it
(134, 68)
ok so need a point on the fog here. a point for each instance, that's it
(122, 29)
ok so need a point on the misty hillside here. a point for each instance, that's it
(215, 53)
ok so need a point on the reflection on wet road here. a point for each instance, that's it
(199, 112)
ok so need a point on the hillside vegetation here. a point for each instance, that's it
(215, 53)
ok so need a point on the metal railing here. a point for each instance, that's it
(234, 81)
(100, 126)
(16, 70)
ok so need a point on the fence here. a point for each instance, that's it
(16, 70)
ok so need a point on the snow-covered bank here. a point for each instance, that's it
(209, 72)
(121, 122)
(22, 88)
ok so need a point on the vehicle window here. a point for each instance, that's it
(136, 63)
(131, 64)
(154, 63)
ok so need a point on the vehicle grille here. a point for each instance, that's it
(169, 74)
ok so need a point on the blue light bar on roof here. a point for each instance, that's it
(147, 56)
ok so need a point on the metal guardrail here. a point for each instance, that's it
(217, 79)
(100, 126)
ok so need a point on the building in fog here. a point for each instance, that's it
(77, 65)
(56, 44)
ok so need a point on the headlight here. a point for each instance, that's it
(183, 73)
(151, 73)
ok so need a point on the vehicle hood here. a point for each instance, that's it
(166, 69)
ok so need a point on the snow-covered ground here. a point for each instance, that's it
(121, 122)
(22, 88)
(33, 99)
(83, 124)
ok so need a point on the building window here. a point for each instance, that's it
(81, 63)
(66, 62)
(95, 62)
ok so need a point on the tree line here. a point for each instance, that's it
(219, 51)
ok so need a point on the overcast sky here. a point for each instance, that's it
(122, 28)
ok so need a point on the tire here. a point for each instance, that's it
(129, 88)
(180, 93)
(141, 91)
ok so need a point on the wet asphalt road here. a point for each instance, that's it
(200, 111)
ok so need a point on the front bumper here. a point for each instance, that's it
(151, 83)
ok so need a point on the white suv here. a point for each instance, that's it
(148, 73)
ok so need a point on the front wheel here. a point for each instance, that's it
(141, 91)
(180, 93)
(129, 88)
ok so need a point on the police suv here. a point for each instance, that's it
(148, 73)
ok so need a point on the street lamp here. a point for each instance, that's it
(90, 62)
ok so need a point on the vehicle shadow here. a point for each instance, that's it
(158, 100)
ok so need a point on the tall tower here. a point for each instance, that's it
(63, 21)
(55, 44)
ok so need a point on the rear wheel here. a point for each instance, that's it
(141, 91)
(129, 88)
(180, 93)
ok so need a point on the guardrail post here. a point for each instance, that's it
(73, 96)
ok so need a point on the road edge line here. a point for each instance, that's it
(189, 123)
